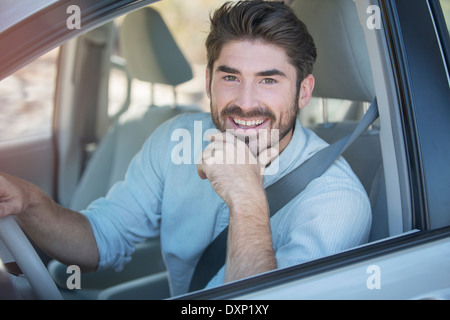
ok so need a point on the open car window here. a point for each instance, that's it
(27, 99)
(92, 101)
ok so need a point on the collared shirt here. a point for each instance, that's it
(163, 195)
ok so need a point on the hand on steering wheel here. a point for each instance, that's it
(28, 260)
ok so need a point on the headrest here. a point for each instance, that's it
(342, 69)
(151, 52)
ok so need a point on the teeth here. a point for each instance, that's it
(249, 122)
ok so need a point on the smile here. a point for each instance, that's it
(248, 123)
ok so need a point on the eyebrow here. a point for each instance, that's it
(227, 69)
(270, 73)
(267, 73)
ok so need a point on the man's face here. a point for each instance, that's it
(253, 93)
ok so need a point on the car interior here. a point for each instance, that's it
(342, 72)
(148, 52)
(153, 56)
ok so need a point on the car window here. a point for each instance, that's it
(327, 110)
(321, 109)
(188, 22)
(26, 99)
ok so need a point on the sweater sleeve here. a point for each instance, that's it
(131, 210)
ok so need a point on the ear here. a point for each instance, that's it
(208, 83)
(306, 90)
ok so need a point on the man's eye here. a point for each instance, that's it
(268, 81)
(230, 78)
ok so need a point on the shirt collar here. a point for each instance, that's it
(289, 159)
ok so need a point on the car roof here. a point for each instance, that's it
(32, 31)
(13, 11)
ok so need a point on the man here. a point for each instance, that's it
(259, 74)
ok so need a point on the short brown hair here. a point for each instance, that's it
(271, 21)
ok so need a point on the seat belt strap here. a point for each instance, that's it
(279, 194)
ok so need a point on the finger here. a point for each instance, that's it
(222, 137)
(268, 155)
(210, 152)
(9, 208)
(200, 172)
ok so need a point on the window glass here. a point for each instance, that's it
(325, 110)
(26, 99)
(188, 22)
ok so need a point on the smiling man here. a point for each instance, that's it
(259, 74)
(254, 90)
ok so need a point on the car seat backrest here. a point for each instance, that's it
(343, 71)
(151, 52)
(151, 55)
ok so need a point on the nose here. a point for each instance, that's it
(247, 96)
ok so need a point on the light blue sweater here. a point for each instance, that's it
(159, 197)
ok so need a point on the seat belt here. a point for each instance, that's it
(279, 194)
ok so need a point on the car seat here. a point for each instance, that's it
(343, 71)
(153, 56)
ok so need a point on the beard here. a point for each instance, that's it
(257, 140)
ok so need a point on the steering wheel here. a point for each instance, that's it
(28, 260)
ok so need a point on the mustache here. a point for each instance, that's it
(259, 112)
